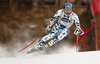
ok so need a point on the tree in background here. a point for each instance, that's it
(35, 4)
(62, 2)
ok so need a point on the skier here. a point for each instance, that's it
(66, 17)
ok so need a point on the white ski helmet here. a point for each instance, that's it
(68, 7)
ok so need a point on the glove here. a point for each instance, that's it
(78, 32)
(48, 28)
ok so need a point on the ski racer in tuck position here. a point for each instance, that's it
(66, 17)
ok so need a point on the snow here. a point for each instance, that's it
(33, 26)
(62, 58)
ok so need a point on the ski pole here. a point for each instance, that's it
(84, 34)
(77, 45)
(32, 42)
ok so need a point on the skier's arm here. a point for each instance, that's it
(53, 20)
(78, 30)
(76, 20)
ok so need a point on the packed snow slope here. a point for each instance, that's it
(66, 58)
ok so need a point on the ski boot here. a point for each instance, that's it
(50, 43)
(35, 49)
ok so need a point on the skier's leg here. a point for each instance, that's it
(63, 34)
(44, 39)
(48, 37)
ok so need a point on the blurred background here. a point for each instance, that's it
(22, 20)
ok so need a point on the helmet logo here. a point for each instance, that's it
(68, 6)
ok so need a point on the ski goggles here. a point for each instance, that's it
(68, 10)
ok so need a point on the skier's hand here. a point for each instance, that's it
(48, 28)
(78, 32)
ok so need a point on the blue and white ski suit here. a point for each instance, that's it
(61, 28)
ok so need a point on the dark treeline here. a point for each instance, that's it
(12, 5)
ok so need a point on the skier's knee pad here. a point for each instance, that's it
(41, 42)
(52, 34)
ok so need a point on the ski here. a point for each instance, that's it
(34, 50)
